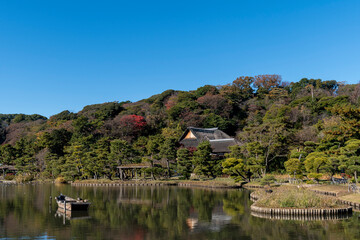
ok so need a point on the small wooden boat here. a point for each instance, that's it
(71, 204)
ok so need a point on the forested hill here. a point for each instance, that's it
(272, 119)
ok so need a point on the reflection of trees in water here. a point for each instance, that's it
(153, 213)
(25, 212)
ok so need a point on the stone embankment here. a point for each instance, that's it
(355, 206)
(335, 194)
(301, 217)
(7, 182)
(254, 197)
(184, 184)
(303, 211)
(120, 184)
(252, 186)
(180, 184)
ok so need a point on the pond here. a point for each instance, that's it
(28, 212)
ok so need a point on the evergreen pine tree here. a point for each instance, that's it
(184, 164)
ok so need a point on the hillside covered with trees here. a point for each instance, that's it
(309, 127)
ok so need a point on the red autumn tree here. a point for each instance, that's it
(132, 124)
(125, 126)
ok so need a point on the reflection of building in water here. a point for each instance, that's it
(219, 219)
(192, 222)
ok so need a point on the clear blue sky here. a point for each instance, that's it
(62, 55)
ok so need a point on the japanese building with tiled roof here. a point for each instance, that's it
(219, 141)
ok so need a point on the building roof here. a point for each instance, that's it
(220, 141)
(205, 134)
(8, 167)
(222, 145)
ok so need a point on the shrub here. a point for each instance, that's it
(311, 182)
(315, 176)
(24, 178)
(9, 177)
(267, 180)
(60, 180)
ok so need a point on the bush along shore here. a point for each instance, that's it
(297, 202)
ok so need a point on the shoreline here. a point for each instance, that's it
(179, 183)
(210, 184)
(219, 184)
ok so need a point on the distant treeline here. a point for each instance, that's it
(306, 128)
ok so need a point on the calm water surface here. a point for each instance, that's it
(26, 212)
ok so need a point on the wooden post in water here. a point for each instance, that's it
(64, 212)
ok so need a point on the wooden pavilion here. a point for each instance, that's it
(131, 169)
(8, 169)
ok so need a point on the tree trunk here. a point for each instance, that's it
(152, 165)
(266, 161)
(168, 168)
(263, 172)
(355, 176)
(312, 93)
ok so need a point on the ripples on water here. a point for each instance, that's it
(27, 212)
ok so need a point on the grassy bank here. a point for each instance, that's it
(353, 197)
(293, 197)
(339, 190)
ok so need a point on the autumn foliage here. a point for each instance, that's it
(133, 123)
